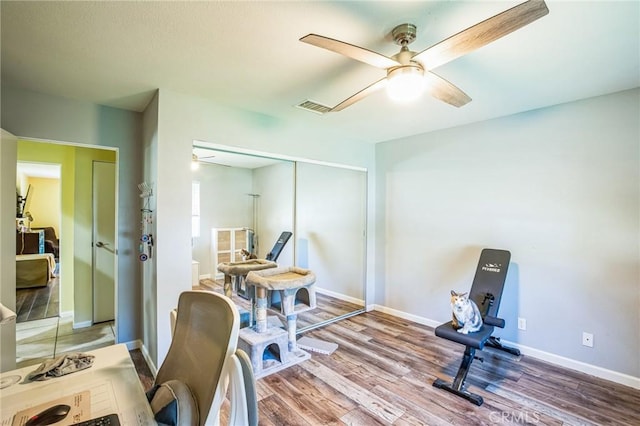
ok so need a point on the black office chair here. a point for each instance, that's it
(486, 291)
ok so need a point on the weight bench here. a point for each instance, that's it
(486, 291)
(278, 246)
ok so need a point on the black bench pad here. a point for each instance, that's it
(475, 340)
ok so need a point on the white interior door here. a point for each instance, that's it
(104, 237)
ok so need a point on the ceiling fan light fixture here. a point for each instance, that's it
(405, 83)
(405, 69)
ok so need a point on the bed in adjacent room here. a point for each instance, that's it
(34, 270)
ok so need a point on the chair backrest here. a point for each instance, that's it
(242, 392)
(204, 339)
(491, 274)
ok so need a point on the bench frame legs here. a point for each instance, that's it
(457, 387)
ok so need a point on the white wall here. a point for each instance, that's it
(224, 203)
(149, 304)
(330, 227)
(275, 185)
(558, 187)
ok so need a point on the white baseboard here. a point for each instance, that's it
(82, 324)
(66, 314)
(204, 276)
(583, 367)
(137, 344)
(147, 357)
(404, 315)
(594, 370)
(340, 296)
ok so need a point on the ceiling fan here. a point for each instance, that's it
(197, 159)
(409, 73)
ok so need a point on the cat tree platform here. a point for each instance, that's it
(286, 283)
(235, 274)
(268, 350)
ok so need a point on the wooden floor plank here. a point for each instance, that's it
(301, 397)
(372, 403)
(529, 403)
(38, 302)
(359, 416)
(423, 403)
(373, 354)
(275, 411)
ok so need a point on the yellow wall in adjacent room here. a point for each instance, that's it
(44, 202)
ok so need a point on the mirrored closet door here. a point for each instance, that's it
(324, 206)
(331, 237)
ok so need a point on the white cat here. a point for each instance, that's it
(466, 315)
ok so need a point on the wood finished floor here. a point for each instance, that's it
(383, 370)
(38, 302)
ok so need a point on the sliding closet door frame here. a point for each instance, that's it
(332, 205)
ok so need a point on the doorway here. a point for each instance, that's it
(37, 241)
(73, 329)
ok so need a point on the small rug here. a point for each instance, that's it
(316, 345)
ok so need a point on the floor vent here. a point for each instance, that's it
(314, 107)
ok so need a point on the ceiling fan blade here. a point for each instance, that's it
(361, 95)
(442, 89)
(352, 51)
(482, 34)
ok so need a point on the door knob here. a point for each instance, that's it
(101, 244)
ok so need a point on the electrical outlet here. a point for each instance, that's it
(587, 339)
(522, 323)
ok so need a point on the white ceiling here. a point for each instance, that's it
(247, 55)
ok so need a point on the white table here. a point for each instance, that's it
(112, 382)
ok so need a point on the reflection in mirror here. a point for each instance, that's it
(273, 214)
(240, 192)
(330, 238)
(247, 201)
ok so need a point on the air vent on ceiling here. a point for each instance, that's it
(314, 107)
